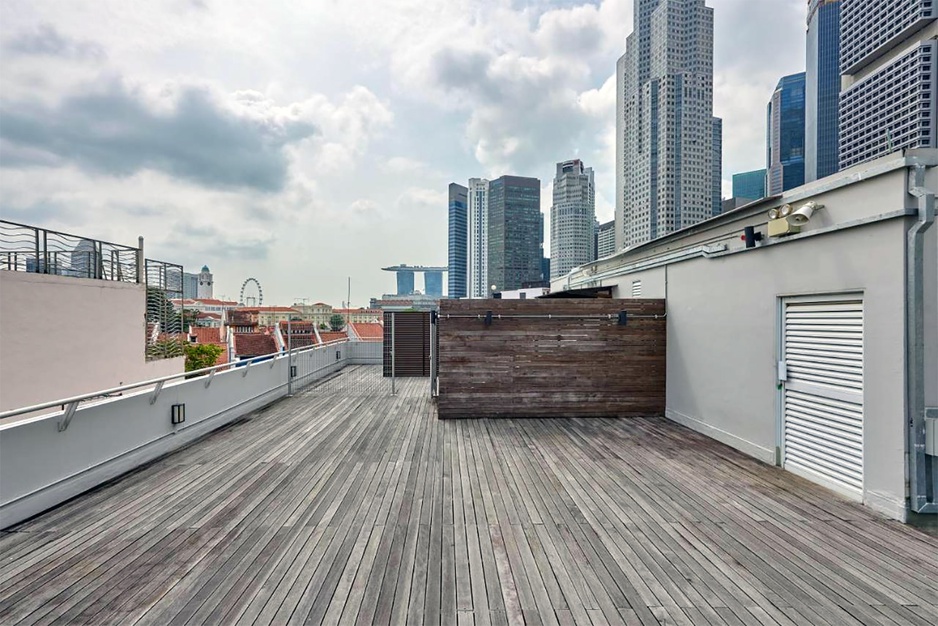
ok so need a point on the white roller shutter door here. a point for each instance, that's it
(823, 392)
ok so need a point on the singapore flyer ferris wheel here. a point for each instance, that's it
(247, 298)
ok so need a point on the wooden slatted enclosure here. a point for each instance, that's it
(551, 358)
(411, 343)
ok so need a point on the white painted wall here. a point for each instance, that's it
(63, 336)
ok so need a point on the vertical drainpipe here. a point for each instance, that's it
(918, 463)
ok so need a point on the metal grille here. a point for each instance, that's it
(823, 396)
(636, 288)
(41, 251)
(411, 343)
(165, 325)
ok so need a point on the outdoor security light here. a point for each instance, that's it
(804, 213)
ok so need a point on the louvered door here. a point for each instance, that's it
(823, 392)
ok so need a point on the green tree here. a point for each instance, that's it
(336, 322)
(201, 355)
(189, 318)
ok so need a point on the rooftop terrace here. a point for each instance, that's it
(344, 504)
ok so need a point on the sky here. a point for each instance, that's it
(303, 143)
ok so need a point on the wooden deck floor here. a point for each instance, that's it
(346, 505)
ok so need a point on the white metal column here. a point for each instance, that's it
(822, 394)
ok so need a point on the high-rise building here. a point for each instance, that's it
(889, 77)
(405, 282)
(190, 285)
(206, 282)
(717, 167)
(515, 231)
(477, 254)
(458, 240)
(606, 240)
(572, 218)
(784, 138)
(749, 185)
(664, 123)
(433, 283)
(822, 90)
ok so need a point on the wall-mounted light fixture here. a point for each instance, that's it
(177, 413)
(786, 220)
(803, 214)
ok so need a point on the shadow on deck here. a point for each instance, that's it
(346, 505)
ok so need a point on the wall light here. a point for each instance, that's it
(177, 413)
(803, 214)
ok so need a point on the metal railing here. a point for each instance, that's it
(166, 327)
(42, 251)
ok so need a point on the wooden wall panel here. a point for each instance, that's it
(571, 366)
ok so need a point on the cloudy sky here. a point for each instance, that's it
(304, 142)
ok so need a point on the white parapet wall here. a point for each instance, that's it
(63, 336)
(43, 465)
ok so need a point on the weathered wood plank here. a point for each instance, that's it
(360, 507)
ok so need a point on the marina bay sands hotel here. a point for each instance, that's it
(432, 279)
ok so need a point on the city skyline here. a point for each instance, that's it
(333, 142)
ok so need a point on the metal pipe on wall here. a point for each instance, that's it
(920, 500)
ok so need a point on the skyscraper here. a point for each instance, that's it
(822, 89)
(664, 124)
(749, 185)
(515, 231)
(717, 166)
(784, 150)
(477, 255)
(433, 284)
(572, 218)
(888, 61)
(606, 240)
(458, 240)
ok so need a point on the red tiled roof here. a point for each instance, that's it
(328, 335)
(254, 344)
(300, 341)
(206, 335)
(368, 330)
(208, 316)
(268, 309)
(296, 327)
(212, 301)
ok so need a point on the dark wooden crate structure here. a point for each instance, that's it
(564, 358)
(411, 343)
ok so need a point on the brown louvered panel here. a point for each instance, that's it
(573, 366)
(411, 343)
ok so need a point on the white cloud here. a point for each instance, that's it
(403, 97)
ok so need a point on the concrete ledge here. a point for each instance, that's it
(763, 454)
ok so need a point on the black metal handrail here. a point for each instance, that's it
(25, 248)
